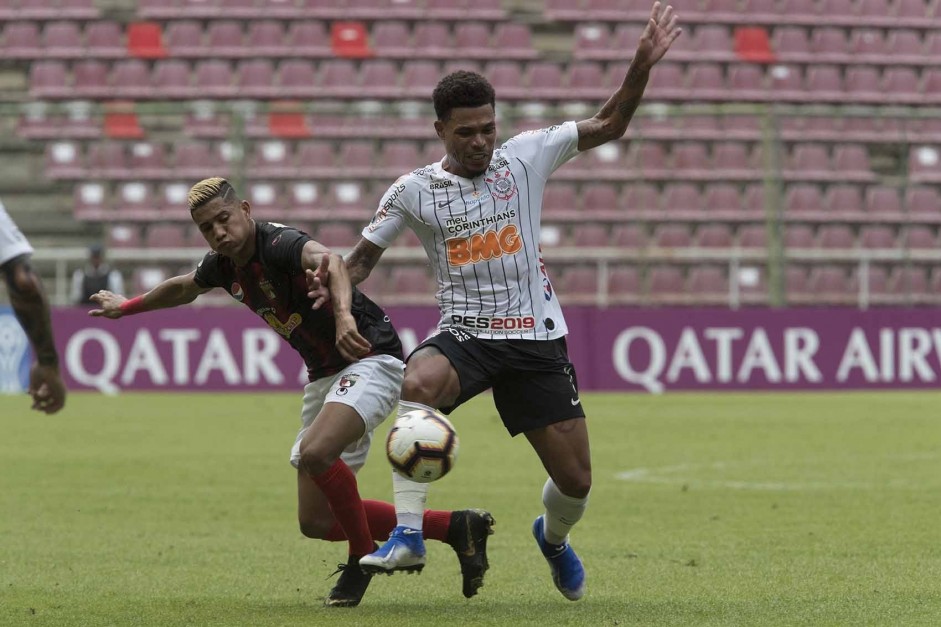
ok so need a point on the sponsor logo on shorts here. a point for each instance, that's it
(346, 382)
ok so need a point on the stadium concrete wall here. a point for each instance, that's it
(645, 350)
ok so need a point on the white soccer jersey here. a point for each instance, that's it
(12, 242)
(482, 236)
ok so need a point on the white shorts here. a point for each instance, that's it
(371, 386)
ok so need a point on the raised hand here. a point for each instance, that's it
(659, 34)
(110, 304)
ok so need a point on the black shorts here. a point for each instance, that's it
(533, 381)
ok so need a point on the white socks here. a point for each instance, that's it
(562, 512)
(409, 496)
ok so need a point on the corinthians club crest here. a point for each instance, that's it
(503, 186)
(346, 382)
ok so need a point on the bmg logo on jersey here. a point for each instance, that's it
(479, 247)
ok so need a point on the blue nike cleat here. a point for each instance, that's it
(403, 551)
(568, 575)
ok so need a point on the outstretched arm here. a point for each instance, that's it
(31, 308)
(362, 259)
(349, 342)
(171, 293)
(611, 121)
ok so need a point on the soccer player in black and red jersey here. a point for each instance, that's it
(355, 368)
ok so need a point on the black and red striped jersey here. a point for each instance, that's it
(274, 286)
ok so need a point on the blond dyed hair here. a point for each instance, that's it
(207, 189)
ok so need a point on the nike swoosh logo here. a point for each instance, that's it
(409, 532)
(575, 402)
(443, 204)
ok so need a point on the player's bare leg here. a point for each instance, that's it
(565, 454)
(335, 427)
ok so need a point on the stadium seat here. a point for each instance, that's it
(924, 164)
(624, 285)
(131, 79)
(919, 236)
(911, 282)
(753, 236)
(147, 160)
(902, 84)
(21, 40)
(382, 77)
(799, 236)
(136, 201)
(350, 40)
(708, 284)
(123, 236)
(560, 201)
(419, 78)
(904, 45)
(506, 78)
(714, 236)
(831, 285)
(692, 161)
(844, 201)
(829, 44)
(851, 161)
(642, 198)
(267, 38)
(883, 200)
(544, 80)
(391, 39)
(923, 200)
(165, 236)
(514, 40)
(144, 40)
(410, 284)
(796, 284)
(337, 235)
(399, 156)
(667, 83)
(877, 236)
(665, 284)
(225, 38)
(62, 40)
(732, 161)
(309, 39)
(214, 79)
(297, 79)
(809, 162)
(791, 42)
(600, 198)
(590, 235)
(747, 81)
(315, 158)
(648, 159)
(824, 82)
(172, 79)
(184, 38)
(255, 79)
(91, 79)
(629, 236)
(196, 160)
(723, 198)
(64, 160)
(836, 236)
(682, 199)
(672, 236)
(432, 39)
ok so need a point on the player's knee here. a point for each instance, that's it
(575, 484)
(316, 460)
(421, 387)
(315, 528)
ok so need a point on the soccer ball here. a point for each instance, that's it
(422, 446)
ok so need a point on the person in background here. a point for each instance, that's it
(94, 277)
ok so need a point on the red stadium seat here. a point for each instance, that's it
(196, 160)
(350, 40)
(642, 198)
(91, 79)
(215, 79)
(911, 282)
(337, 235)
(147, 160)
(272, 160)
(145, 40)
(391, 39)
(109, 160)
(62, 39)
(682, 198)
(905, 43)
(629, 236)
(829, 44)
(21, 40)
(825, 82)
(830, 284)
(752, 44)
(665, 284)
(420, 78)
(590, 235)
(708, 283)
(692, 160)
(600, 198)
(514, 39)
(315, 158)
(560, 200)
(790, 41)
(255, 79)
(803, 199)
(723, 197)
(382, 78)
(123, 236)
(883, 200)
(753, 236)
(844, 200)
(624, 284)
(924, 200)
(165, 236)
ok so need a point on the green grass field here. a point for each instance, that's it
(751, 509)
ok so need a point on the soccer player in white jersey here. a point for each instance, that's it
(477, 213)
(31, 308)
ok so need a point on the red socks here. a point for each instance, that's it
(338, 484)
(381, 516)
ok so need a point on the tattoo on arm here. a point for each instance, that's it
(31, 308)
(612, 120)
(361, 260)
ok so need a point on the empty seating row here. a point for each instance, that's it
(875, 13)
(48, 10)
(337, 9)
(788, 44)
(513, 80)
(620, 161)
(261, 38)
(604, 206)
(203, 120)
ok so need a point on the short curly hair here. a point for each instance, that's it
(462, 89)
